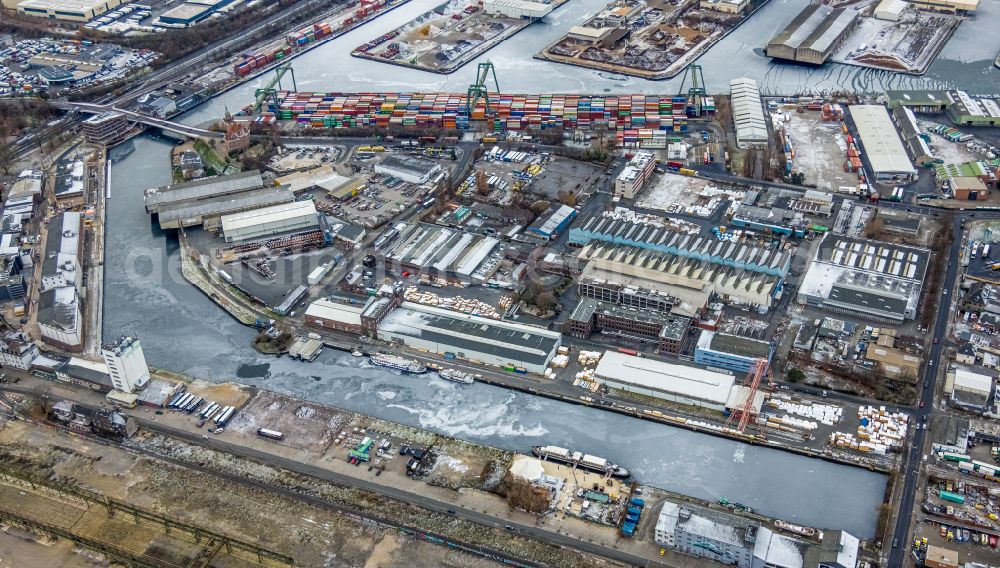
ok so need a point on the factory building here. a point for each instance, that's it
(683, 384)
(267, 221)
(473, 338)
(106, 128)
(126, 364)
(813, 35)
(631, 180)
(695, 247)
(351, 316)
(870, 279)
(881, 144)
(408, 168)
(741, 542)
(966, 110)
(59, 313)
(629, 325)
(732, 352)
(69, 10)
(553, 222)
(517, 9)
(432, 248)
(748, 112)
(969, 390)
(631, 292)
(695, 279)
(947, 6)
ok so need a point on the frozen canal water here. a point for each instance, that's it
(183, 331)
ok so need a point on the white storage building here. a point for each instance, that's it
(408, 168)
(520, 9)
(748, 112)
(881, 143)
(890, 10)
(684, 384)
(256, 223)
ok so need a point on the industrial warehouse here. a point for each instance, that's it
(432, 248)
(266, 221)
(748, 112)
(682, 384)
(870, 279)
(206, 201)
(813, 35)
(473, 338)
(882, 146)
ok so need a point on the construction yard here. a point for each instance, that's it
(652, 39)
(445, 38)
(909, 45)
(823, 148)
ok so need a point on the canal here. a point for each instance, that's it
(183, 331)
(966, 62)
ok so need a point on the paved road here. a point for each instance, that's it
(911, 467)
(439, 506)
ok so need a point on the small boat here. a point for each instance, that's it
(456, 376)
(734, 505)
(580, 460)
(612, 76)
(399, 363)
(798, 529)
(357, 353)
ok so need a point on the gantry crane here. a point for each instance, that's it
(478, 89)
(268, 92)
(696, 92)
(759, 369)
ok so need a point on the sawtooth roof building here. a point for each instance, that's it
(874, 280)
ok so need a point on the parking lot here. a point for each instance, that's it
(64, 64)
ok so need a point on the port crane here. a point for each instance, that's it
(268, 92)
(478, 89)
(696, 92)
(760, 369)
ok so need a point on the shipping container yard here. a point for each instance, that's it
(652, 39)
(623, 114)
(452, 34)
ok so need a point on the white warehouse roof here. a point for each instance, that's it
(966, 380)
(880, 140)
(748, 114)
(272, 214)
(693, 382)
(336, 311)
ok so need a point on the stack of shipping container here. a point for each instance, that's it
(640, 120)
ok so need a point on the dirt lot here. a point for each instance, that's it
(314, 537)
(820, 146)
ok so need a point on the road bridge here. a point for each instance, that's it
(161, 123)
